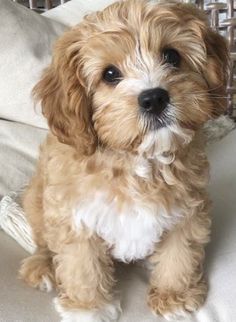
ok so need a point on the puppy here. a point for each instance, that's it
(122, 175)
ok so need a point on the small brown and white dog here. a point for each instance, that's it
(123, 173)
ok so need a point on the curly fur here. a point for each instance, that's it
(108, 185)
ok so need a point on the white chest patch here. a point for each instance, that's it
(131, 232)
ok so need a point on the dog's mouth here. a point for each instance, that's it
(155, 108)
(156, 120)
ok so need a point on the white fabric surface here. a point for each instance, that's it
(18, 152)
(14, 222)
(73, 11)
(26, 40)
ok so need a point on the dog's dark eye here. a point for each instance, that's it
(172, 57)
(112, 75)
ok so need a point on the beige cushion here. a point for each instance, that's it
(19, 145)
(26, 40)
(72, 12)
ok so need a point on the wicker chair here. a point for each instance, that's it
(48, 4)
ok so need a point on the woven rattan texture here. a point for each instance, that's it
(223, 20)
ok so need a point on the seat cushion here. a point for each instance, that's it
(19, 146)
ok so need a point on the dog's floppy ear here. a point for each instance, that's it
(217, 69)
(64, 100)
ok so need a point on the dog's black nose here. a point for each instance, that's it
(154, 100)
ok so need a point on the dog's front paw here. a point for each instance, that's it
(36, 271)
(174, 306)
(108, 313)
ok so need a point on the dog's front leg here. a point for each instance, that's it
(84, 275)
(177, 283)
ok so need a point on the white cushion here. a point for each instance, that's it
(26, 40)
(72, 12)
(19, 145)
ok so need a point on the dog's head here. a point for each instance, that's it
(136, 68)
